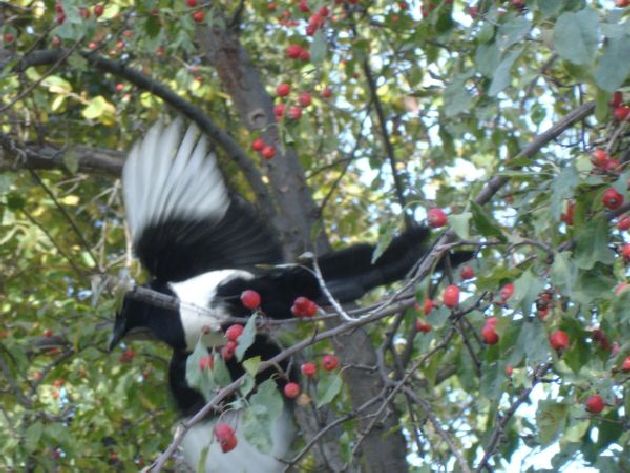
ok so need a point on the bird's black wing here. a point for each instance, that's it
(182, 218)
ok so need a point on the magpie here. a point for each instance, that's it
(205, 245)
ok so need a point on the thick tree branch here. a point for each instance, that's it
(17, 156)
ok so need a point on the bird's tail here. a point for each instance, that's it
(350, 273)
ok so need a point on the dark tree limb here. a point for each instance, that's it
(15, 157)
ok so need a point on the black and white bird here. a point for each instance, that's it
(206, 245)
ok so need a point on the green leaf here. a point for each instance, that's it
(550, 419)
(385, 234)
(513, 31)
(594, 285)
(457, 99)
(574, 432)
(263, 409)
(576, 36)
(592, 244)
(531, 343)
(613, 67)
(15, 201)
(550, 7)
(247, 337)
(485, 224)
(563, 187)
(201, 464)
(152, 25)
(328, 390)
(33, 434)
(564, 272)
(487, 58)
(492, 378)
(318, 48)
(502, 75)
(460, 224)
(526, 290)
(71, 161)
(251, 365)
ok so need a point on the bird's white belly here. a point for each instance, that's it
(197, 307)
(245, 458)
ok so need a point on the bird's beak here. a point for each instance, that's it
(118, 333)
(114, 340)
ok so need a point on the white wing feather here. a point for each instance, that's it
(170, 176)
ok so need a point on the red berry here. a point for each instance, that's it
(206, 362)
(258, 144)
(226, 436)
(291, 390)
(250, 299)
(600, 337)
(506, 291)
(509, 370)
(294, 51)
(305, 99)
(305, 55)
(437, 218)
(594, 404)
(229, 350)
(422, 326)
(278, 110)
(198, 16)
(327, 92)
(191, 3)
(625, 366)
(617, 99)
(60, 18)
(283, 90)
(428, 306)
(489, 334)
(98, 10)
(622, 3)
(309, 369)
(119, 87)
(330, 362)
(234, 331)
(467, 272)
(315, 22)
(622, 113)
(303, 6)
(295, 113)
(451, 296)
(48, 333)
(303, 307)
(625, 251)
(268, 152)
(127, 356)
(600, 158)
(559, 340)
(8, 38)
(324, 11)
(612, 199)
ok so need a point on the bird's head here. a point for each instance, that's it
(141, 320)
